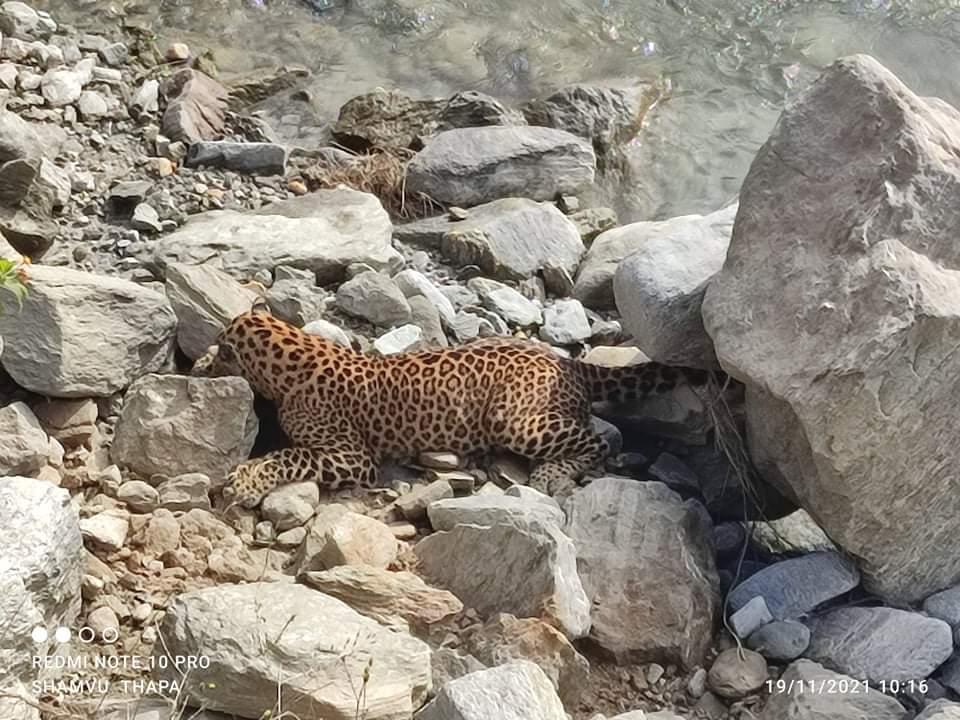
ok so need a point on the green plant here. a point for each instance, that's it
(13, 279)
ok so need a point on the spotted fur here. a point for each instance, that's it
(345, 411)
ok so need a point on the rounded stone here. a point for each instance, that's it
(736, 673)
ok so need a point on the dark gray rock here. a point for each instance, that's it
(17, 138)
(879, 643)
(254, 158)
(470, 166)
(385, 119)
(794, 587)
(475, 109)
(781, 640)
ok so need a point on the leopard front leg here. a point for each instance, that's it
(335, 469)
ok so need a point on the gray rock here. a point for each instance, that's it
(113, 54)
(737, 673)
(414, 504)
(402, 339)
(659, 287)
(107, 529)
(506, 302)
(879, 644)
(185, 492)
(525, 568)
(517, 691)
(945, 605)
(195, 106)
(147, 97)
(638, 543)
(291, 505)
(24, 446)
(375, 298)
(425, 316)
(317, 643)
(324, 232)
(173, 425)
(857, 703)
(61, 87)
(857, 407)
(412, 283)
(475, 109)
(18, 20)
(340, 537)
(205, 300)
(254, 158)
(139, 496)
(92, 105)
(385, 119)
(796, 532)
(512, 239)
(565, 323)
(940, 710)
(465, 326)
(470, 166)
(751, 616)
(18, 139)
(296, 301)
(794, 587)
(487, 510)
(449, 664)
(781, 641)
(328, 330)
(146, 219)
(41, 563)
(82, 335)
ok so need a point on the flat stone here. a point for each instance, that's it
(487, 510)
(525, 568)
(470, 166)
(107, 529)
(317, 643)
(879, 644)
(252, 158)
(173, 425)
(396, 599)
(85, 335)
(414, 504)
(647, 562)
(780, 641)
(517, 691)
(857, 703)
(324, 232)
(146, 219)
(794, 587)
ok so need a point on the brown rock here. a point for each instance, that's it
(195, 106)
(737, 672)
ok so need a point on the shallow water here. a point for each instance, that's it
(731, 64)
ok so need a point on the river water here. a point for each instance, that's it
(731, 64)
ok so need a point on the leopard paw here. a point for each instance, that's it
(250, 482)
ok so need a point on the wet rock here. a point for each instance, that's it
(24, 446)
(870, 401)
(504, 638)
(291, 505)
(781, 641)
(340, 537)
(475, 109)
(324, 232)
(517, 691)
(253, 158)
(205, 300)
(83, 335)
(385, 119)
(879, 643)
(487, 510)
(525, 568)
(41, 563)
(375, 298)
(506, 302)
(317, 643)
(565, 323)
(402, 339)
(794, 587)
(470, 166)
(396, 599)
(659, 287)
(736, 673)
(173, 425)
(854, 704)
(647, 563)
(195, 106)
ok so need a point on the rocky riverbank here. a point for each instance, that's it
(806, 570)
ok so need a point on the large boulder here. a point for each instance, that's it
(524, 567)
(659, 289)
(275, 642)
(646, 559)
(41, 564)
(807, 691)
(839, 307)
(81, 334)
(324, 232)
(173, 425)
(470, 166)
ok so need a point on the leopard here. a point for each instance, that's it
(345, 411)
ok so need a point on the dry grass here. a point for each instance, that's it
(382, 173)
